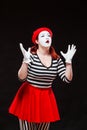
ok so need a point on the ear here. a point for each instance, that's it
(36, 41)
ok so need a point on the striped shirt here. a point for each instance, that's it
(41, 76)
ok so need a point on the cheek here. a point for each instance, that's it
(42, 41)
(50, 40)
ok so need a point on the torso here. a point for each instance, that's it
(46, 59)
(42, 71)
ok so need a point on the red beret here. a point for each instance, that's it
(37, 31)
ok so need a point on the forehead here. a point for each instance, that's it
(43, 32)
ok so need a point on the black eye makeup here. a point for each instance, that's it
(49, 35)
(42, 35)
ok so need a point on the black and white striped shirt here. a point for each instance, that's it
(41, 76)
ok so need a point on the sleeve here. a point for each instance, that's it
(61, 71)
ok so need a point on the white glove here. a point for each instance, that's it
(26, 54)
(69, 54)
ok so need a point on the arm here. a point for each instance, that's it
(69, 71)
(68, 59)
(22, 72)
(65, 71)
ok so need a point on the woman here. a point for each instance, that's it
(35, 104)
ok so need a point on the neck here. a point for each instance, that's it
(43, 50)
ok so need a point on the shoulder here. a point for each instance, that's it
(60, 61)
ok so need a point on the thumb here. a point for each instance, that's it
(62, 53)
(29, 50)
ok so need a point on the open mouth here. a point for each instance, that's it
(47, 41)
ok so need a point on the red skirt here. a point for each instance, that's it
(35, 104)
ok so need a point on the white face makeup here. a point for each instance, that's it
(45, 39)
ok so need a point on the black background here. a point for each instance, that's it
(68, 21)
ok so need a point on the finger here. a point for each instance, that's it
(74, 51)
(62, 53)
(29, 50)
(68, 47)
(73, 48)
(72, 45)
(22, 48)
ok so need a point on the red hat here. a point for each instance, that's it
(37, 31)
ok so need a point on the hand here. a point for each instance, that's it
(26, 54)
(69, 54)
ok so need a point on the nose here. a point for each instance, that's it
(47, 37)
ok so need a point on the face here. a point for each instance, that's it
(44, 39)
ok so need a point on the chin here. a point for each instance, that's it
(47, 46)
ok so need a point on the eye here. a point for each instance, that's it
(42, 36)
(49, 35)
